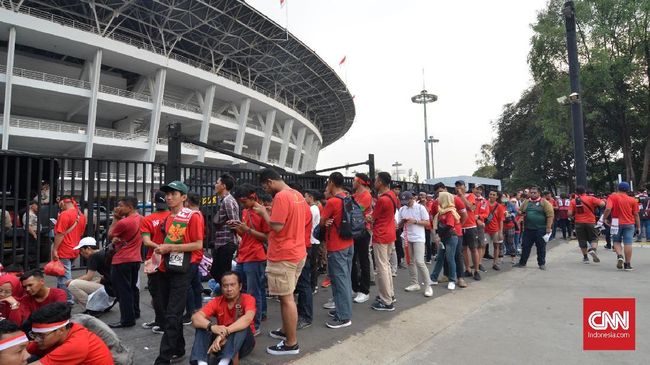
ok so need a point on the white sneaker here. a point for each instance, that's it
(413, 287)
(330, 304)
(451, 285)
(428, 291)
(361, 298)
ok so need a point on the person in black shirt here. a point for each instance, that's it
(87, 284)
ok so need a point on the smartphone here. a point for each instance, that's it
(53, 220)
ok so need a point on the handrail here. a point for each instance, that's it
(75, 129)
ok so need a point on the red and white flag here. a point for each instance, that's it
(342, 60)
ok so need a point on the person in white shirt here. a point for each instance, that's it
(312, 198)
(413, 218)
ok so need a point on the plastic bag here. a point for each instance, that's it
(151, 264)
(54, 268)
(99, 300)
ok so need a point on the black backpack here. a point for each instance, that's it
(353, 222)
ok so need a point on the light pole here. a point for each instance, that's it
(431, 141)
(424, 98)
(396, 165)
(569, 13)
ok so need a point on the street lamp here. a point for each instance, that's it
(424, 98)
(431, 141)
(396, 165)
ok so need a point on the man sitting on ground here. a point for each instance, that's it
(86, 284)
(13, 343)
(37, 294)
(231, 337)
(59, 341)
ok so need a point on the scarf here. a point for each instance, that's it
(446, 205)
(176, 233)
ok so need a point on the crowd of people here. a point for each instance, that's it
(274, 239)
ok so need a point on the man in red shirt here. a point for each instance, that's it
(340, 251)
(69, 228)
(153, 234)
(383, 240)
(230, 337)
(469, 237)
(622, 215)
(361, 260)
(563, 215)
(285, 256)
(583, 208)
(494, 224)
(458, 255)
(37, 295)
(251, 255)
(58, 341)
(13, 344)
(126, 240)
(183, 245)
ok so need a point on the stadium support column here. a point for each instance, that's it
(313, 158)
(298, 152)
(242, 120)
(154, 124)
(268, 133)
(308, 146)
(286, 139)
(95, 73)
(208, 101)
(6, 117)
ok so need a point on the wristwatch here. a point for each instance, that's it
(209, 327)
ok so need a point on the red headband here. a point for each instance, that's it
(13, 341)
(48, 327)
(361, 181)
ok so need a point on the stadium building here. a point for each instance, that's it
(104, 78)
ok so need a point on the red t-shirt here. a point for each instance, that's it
(498, 217)
(623, 207)
(334, 210)
(151, 226)
(28, 304)
(562, 206)
(289, 243)
(250, 248)
(449, 220)
(460, 208)
(129, 247)
(218, 308)
(470, 222)
(193, 232)
(383, 228)
(364, 199)
(589, 205)
(81, 347)
(64, 221)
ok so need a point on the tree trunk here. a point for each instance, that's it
(646, 164)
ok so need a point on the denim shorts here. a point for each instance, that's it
(625, 234)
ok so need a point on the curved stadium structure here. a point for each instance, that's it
(104, 78)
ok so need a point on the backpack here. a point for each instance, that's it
(353, 222)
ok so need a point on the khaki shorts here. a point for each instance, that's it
(282, 276)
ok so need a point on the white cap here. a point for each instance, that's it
(86, 241)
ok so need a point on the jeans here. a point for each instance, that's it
(254, 278)
(458, 258)
(625, 234)
(553, 229)
(153, 282)
(124, 278)
(339, 266)
(645, 229)
(416, 250)
(305, 304)
(382, 252)
(222, 260)
(448, 255)
(361, 264)
(564, 225)
(428, 246)
(533, 237)
(240, 342)
(173, 293)
(312, 255)
(61, 280)
(194, 300)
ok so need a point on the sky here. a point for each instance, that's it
(474, 55)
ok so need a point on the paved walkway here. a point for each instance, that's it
(524, 316)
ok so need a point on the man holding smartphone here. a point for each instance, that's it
(225, 238)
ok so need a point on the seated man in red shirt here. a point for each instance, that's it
(230, 338)
(37, 295)
(12, 344)
(57, 341)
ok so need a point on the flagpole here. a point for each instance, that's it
(286, 10)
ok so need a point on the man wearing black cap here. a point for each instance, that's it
(622, 215)
(183, 238)
(152, 228)
(470, 233)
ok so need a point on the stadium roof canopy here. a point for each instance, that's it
(228, 37)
